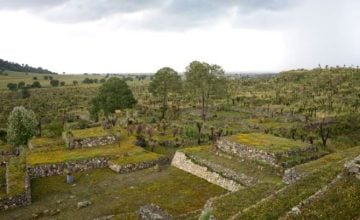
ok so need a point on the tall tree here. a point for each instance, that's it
(21, 126)
(164, 82)
(113, 94)
(204, 81)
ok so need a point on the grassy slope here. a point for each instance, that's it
(172, 189)
(341, 201)
(267, 142)
(278, 205)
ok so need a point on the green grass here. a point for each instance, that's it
(260, 171)
(175, 191)
(46, 144)
(17, 175)
(89, 133)
(5, 147)
(230, 204)
(2, 181)
(62, 155)
(341, 201)
(267, 142)
(137, 157)
(280, 204)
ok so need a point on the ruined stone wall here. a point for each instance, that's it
(21, 199)
(256, 154)
(245, 151)
(93, 141)
(45, 170)
(127, 168)
(182, 162)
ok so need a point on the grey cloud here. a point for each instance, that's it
(172, 14)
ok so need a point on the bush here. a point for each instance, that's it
(36, 84)
(75, 82)
(25, 93)
(21, 85)
(62, 83)
(12, 86)
(35, 78)
(54, 129)
(3, 134)
(54, 82)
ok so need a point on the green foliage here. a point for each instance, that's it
(165, 81)
(17, 175)
(114, 94)
(54, 82)
(203, 81)
(12, 86)
(21, 126)
(36, 84)
(53, 129)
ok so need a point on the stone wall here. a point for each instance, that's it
(182, 162)
(45, 170)
(291, 175)
(21, 199)
(137, 166)
(353, 167)
(256, 154)
(92, 142)
(245, 151)
(224, 171)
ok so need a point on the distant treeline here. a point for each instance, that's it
(6, 65)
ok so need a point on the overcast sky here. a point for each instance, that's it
(122, 36)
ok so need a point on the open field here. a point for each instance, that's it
(110, 193)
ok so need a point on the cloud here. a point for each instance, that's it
(156, 14)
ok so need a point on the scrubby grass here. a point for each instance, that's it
(46, 144)
(2, 181)
(256, 169)
(5, 147)
(267, 142)
(89, 132)
(172, 189)
(341, 201)
(230, 204)
(62, 155)
(280, 204)
(17, 175)
(138, 157)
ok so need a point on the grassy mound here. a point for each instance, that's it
(268, 143)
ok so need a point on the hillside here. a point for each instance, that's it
(12, 66)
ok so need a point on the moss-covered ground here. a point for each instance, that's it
(2, 181)
(259, 171)
(267, 142)
(172, 189)
(341, 201)
(89, 132)
(293, 194)
(62, 155)
(136, 157)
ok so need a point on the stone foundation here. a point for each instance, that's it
(128, 168)
(92, 142)
(19, 200)
(182, 162)
(241, 150)
(61, 168)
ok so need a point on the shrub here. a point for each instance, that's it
(54, 82)
(21, 126)
(35, 78)
(62, 83)
(36, 84)
(12, 86)
(21, 84)
(54, 129)
(75, 82)
(24, 93)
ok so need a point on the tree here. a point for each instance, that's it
(21, 126)
(114, 94)
(204, 80)
(54, 82)
(25, 93)
(165, 81)
(36, 84)
(12, 86)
